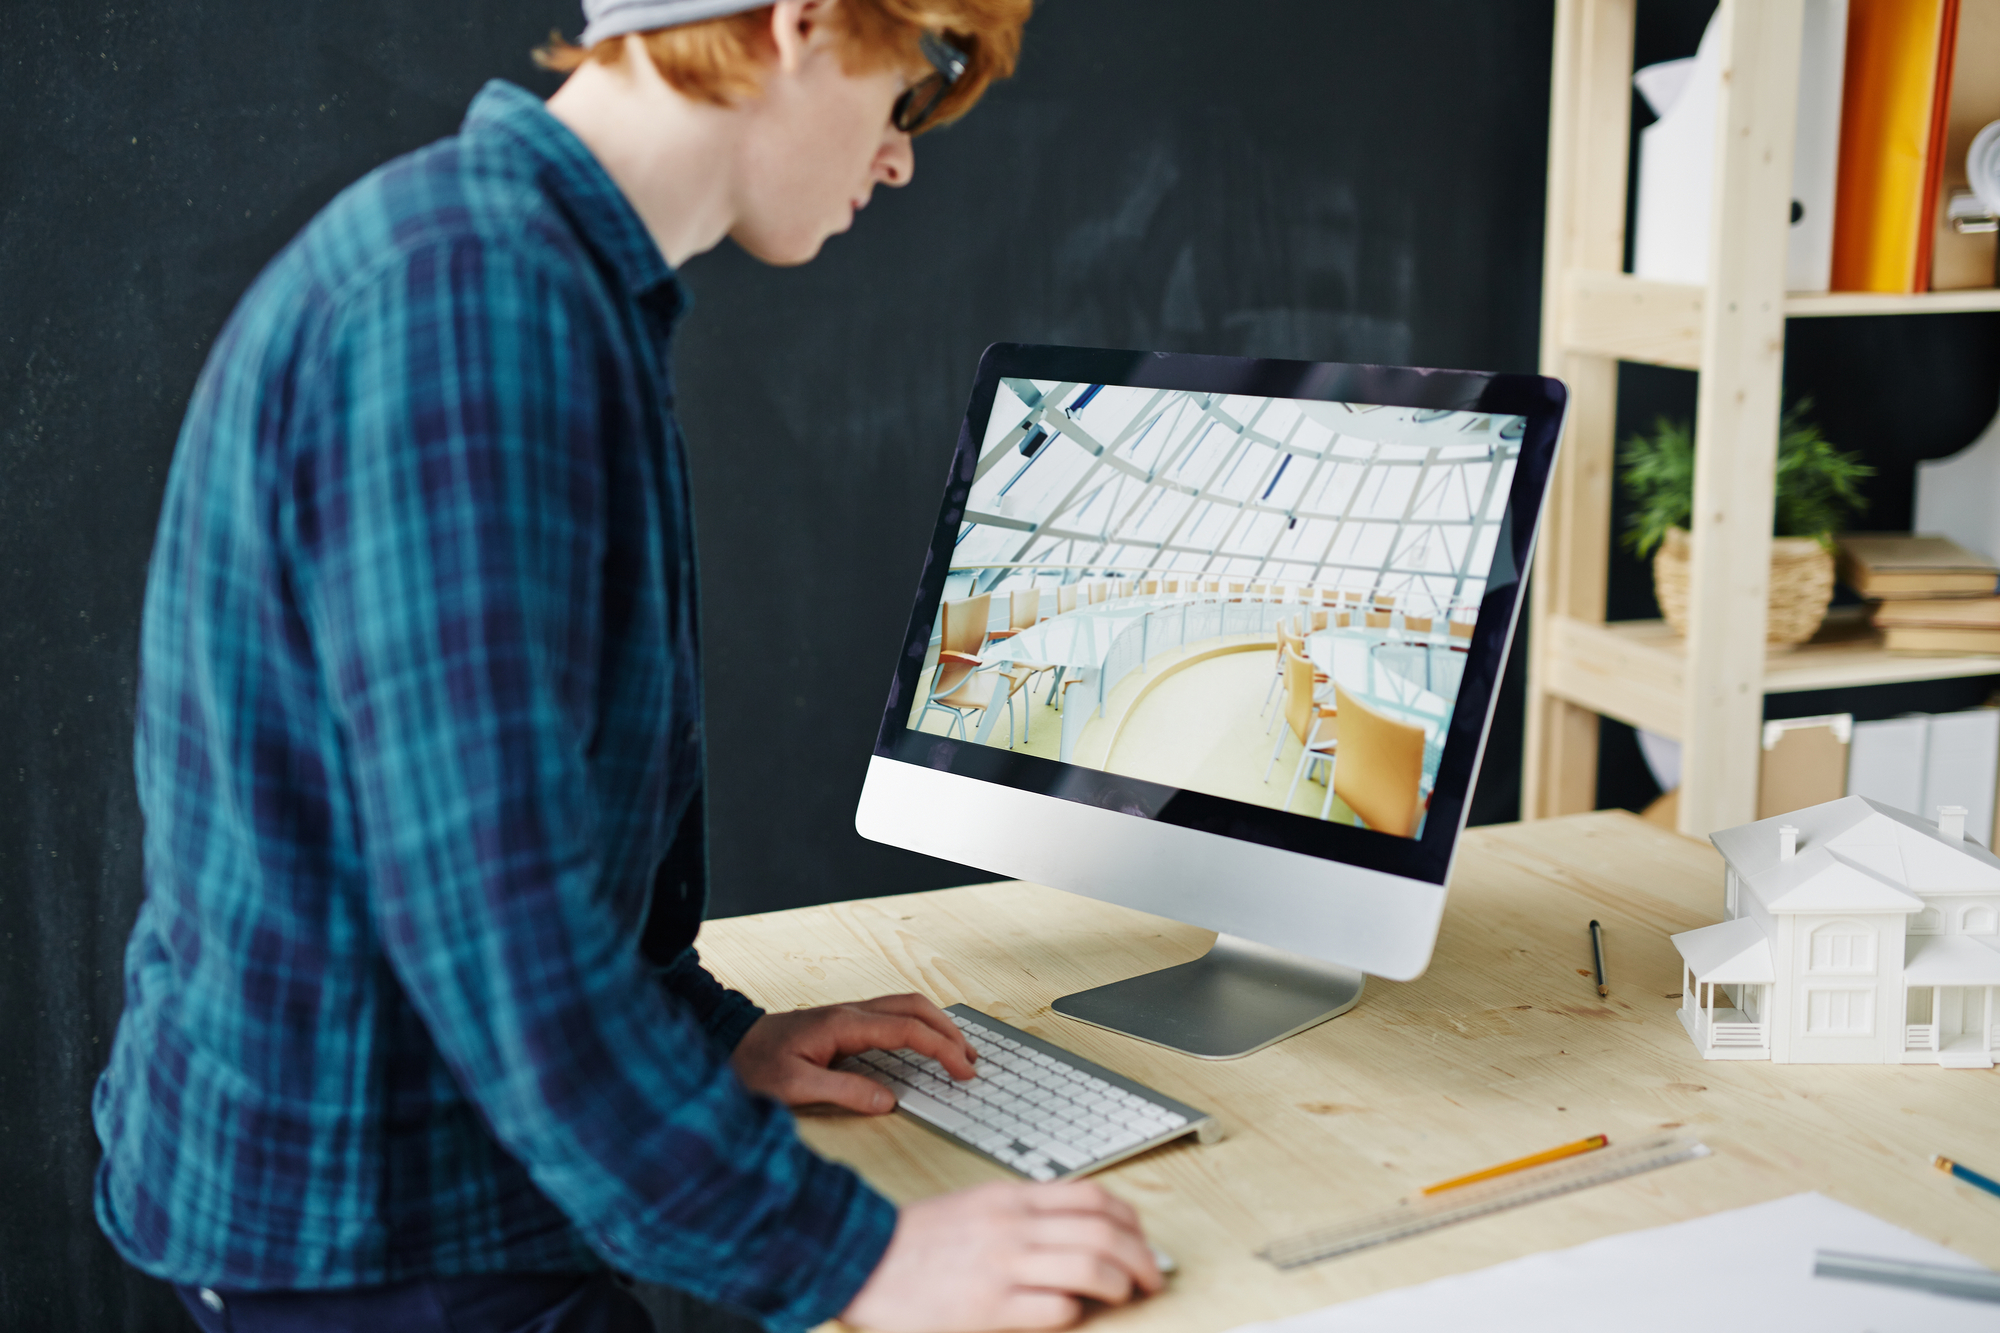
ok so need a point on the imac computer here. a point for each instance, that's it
(1218, 638)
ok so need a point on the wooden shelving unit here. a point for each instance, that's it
(1708, 689)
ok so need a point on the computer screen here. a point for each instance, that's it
(1188, 587)
(1263, 600)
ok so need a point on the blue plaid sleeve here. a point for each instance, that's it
(449, 567)
(725, 1013)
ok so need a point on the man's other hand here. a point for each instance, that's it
(1006, 1256)
(787, 1055)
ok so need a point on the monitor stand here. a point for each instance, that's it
(1238, 997)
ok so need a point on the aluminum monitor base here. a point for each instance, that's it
(1237, 998)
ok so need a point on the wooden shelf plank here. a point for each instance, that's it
(1800, 305)
(1635, 670)
(1616, 314)
(1621, 671)
(1659, 323)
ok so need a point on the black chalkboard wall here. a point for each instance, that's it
(1330, 180)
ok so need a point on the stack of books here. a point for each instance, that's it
(1932, 595)
(1961, 625)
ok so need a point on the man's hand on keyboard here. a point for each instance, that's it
(1006, 1256)
(786, 1055)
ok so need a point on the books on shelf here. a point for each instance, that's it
(1961, 259)
(1941, 641)
(1958, 625)
(1905, 566)
(1968, 613)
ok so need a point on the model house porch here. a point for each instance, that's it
(1856, 934)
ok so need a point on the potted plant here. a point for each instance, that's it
(1818, 486)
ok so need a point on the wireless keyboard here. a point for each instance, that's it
(1035, 1108)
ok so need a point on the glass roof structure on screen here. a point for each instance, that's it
(1084, 477)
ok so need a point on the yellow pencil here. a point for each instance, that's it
(1591, 1144)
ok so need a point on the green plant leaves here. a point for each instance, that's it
(1818, 485)
(1658, 473)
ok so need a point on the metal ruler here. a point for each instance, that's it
(1413, 1217)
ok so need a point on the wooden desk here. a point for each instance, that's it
(1503, 1048)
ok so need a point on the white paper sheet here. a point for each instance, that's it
(1746, 1269)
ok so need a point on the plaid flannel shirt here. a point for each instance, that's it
(411, 992)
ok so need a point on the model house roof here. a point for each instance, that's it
(1820, 880)
(1854, 855)
(1951, 960)
(1730, 954)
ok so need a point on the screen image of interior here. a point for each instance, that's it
(1264, 599)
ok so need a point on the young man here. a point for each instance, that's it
(414, 1036)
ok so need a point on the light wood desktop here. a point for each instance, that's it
(1503, 1048)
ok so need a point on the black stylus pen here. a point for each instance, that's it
(1597, 955)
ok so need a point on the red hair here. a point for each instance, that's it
(722, 60)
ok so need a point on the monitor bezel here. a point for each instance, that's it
(1538, 399)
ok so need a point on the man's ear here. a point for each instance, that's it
(795, 25)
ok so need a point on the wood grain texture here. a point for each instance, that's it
(1633, 669)
(1736, 412)
(1633, 319)
(1603, 667)
(1502, 1048)
(1804, 305)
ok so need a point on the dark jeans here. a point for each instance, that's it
(500, 1303)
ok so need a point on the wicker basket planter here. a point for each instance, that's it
(1801, 586)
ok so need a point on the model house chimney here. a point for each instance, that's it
(1788, 842)
(1951, 822)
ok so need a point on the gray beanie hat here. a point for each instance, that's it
(615, 18)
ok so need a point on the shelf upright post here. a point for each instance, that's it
(1590, 112)
(1736, 413)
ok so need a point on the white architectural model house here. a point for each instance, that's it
(1857, 934)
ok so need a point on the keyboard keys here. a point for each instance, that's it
(925, 1107)
(1069, 1156)
(1038, 1113)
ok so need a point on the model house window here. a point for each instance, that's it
(1979, 919)
(1930, 921)
(1840, 1013)
(1843, 946)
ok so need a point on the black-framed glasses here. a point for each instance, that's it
(920, 101)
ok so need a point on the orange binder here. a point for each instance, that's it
(1880, 208)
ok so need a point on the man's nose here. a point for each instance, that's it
(896, 163)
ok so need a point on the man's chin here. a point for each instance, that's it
(780, 252)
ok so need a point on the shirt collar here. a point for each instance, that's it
(578, 182)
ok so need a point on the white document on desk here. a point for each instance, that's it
(1751, 1268)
